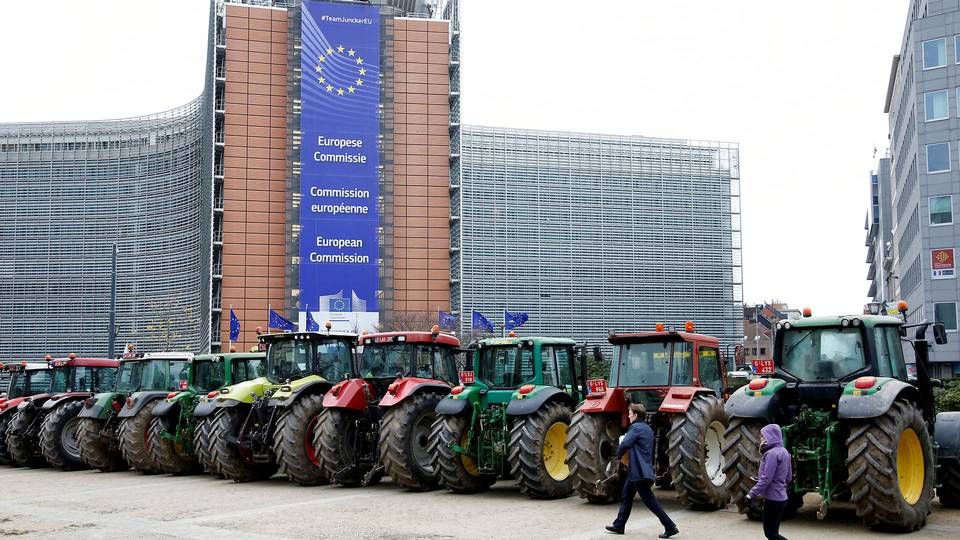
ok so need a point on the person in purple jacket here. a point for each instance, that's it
(775, 473)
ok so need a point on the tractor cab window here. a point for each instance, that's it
(81, 378)
(61, 379)
(129, 377)
(506, 366)
(38, 381)
(104, 380)
(334, 359)
(682, 372)
(655, 364)
(17, 384)
(288, 360)
(445, 364)
(889, 353)
(247, 369)
(565, 362)
(388, 360)
(556, 365)
(710, 369)
(209, 374)
(822, 354)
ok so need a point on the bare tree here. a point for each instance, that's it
(407, 321)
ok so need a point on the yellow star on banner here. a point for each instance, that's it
(320, 59)
(339, 91)
(321, 80)
(329, 50)
(329, 88)
(340, 49)
(319, 69)
(359, 82)
(351, 89)
(363, 71)
(359, 60)
(351, 52)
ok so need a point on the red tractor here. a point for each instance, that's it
(680, 378)
(26, 379)
(44, 428)
(379, 423)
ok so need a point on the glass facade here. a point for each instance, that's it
(591, 233)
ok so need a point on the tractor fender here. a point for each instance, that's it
(874, 403)
(100, 406)
(611, 401)
(290, 395)
(401, 389)
(206, 407)
(58, 399)
(166, 408)
(749, 403)
(678, 399)
(522, 405)
(135, 402)
(452, 407)
(947, 435)
(11, 405)
(352, 394)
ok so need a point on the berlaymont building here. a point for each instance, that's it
(325, 169)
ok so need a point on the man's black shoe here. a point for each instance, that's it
(670, 533)
(614, 530)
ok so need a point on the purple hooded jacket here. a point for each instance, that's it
(775, 468)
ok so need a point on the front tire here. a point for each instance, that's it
(134, 434)
(695, 453)
(293, 441)
(890, 469)
(741, 454)
(405, 442)
(537, 452)
(22, 452)
(592, 449)
(59, 441)
(458, 472)
(96, 451)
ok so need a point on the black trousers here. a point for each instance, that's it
(644, 488)
(772, 512)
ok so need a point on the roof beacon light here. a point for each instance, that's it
(660, 327)
(902, 306)
(689, 327)
(807, 312)
(512, 334)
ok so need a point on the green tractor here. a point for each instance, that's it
(250, 430)
(510, 417)
(174, 426)
(114, 426)
(857, 427)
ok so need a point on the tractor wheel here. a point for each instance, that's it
(165, 453)
(458, 472)
(203, 439)
(405, 442)
(225, 456)
(58, 436)
(22, 452)
(949, 491)
(695, 453)
(592, 449)
(336, 441)
(741, 461)
(293, 441)
(538, 454)
(134, 433)
(4, 454)
(94, 450)
(890, 468)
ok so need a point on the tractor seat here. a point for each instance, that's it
(823, 371)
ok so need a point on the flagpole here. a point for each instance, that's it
(269, 311)
(230, 330)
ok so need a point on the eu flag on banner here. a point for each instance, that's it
(278, 322)
(234, 326)
(481, 323)
(447, 320)
(312, 324)
(514, 320)
(340, 305)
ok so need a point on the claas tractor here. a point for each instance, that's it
(510, 417)
(252, 429)
(379, 422)
(173, 428)
(680, 379)
(26, 379)
(858, 428)
(114, 427)
(44, 428)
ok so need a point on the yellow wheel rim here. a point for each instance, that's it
(910, 466)
(555, 451)
(468, 463)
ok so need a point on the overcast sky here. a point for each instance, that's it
(800, 86)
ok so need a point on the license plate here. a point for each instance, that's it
(763, 367)
(183, 385)
(597, 386)
(466, 377)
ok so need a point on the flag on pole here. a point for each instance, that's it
(312, 324)
(481, 323)
(514, 320)
(234, 326)
(278, 322)
(447, 321)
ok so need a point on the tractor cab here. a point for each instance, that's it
(26, 379)
(296, 355)
(213, 371)
(155, 371)
(82, 375)
(389, 356)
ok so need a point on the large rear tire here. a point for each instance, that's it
(21, 436)
(741, 455)
(336, 441)
(203, 445)
(537, 452)
(97, 451)
(405, 442)
(59, 440)
(225, 457)
(890, 468)
(165, 453)
(949, 490)
(458, 472)
(293, 441)
(4, 454)
(134, 440)
(695, 453)
(592, 448)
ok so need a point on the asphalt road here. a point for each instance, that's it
(43, 503)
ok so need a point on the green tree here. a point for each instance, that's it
(948, 397)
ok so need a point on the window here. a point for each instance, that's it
(946, 313)
(938, 157)
(709, 369)
(822, 354)
(956, 40)
(941, 210)
(934, 53)
(936, 105)
(889, 352)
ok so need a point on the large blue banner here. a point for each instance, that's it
(340, 127)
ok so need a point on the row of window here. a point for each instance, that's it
(935, 52)
(151, 140)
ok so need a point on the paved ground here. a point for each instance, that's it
(42, 503)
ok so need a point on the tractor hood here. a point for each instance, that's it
(291, 388)
(246, 391)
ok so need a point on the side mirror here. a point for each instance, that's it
(939, 333)
(936, 383)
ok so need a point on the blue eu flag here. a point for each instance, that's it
(340, 305)
(312, 324)
(234, 326)
(278, 322)
(514, 320)
(447, 320)
(481, 323)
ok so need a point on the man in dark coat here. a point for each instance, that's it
(638, 445)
